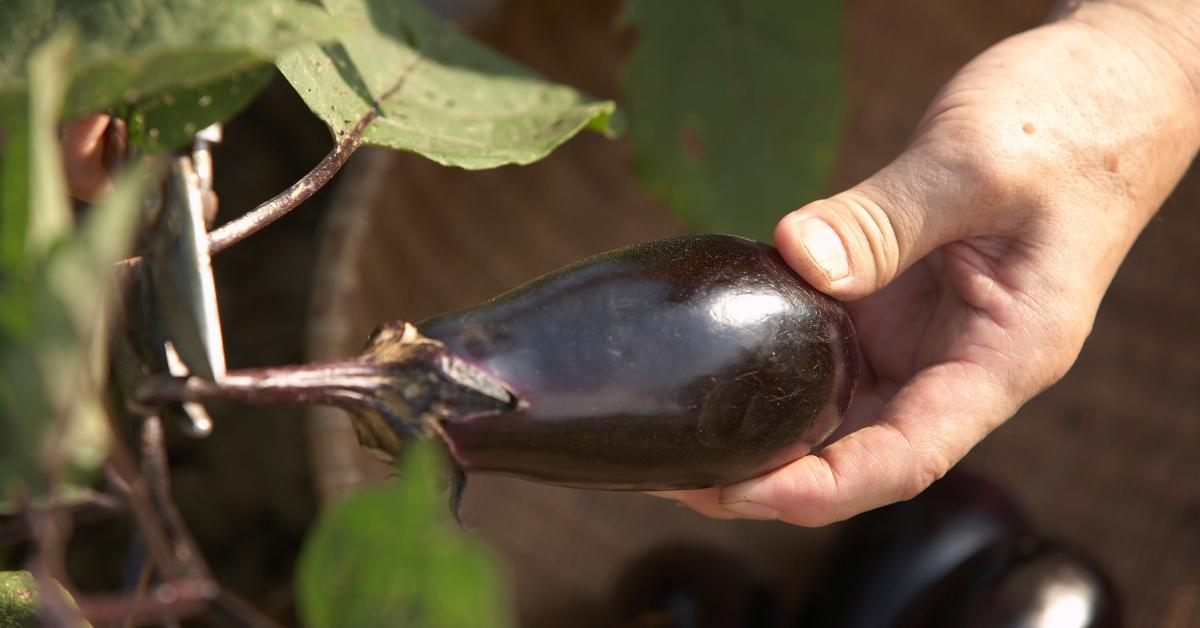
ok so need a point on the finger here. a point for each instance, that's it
(83, 157)
(856, 242)
(930, 425)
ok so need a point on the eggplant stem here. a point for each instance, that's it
(319, 384)
(402, 387)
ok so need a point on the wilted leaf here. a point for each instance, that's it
(131, 51)
(181, 273)
(387, 556)
(736, 108)
(439, 93)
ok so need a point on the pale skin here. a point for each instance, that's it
(974, 263)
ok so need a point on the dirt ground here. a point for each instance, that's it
(1106, 460)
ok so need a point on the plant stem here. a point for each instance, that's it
(156, 473)
(170, 601)
(239, 611)
(251, 222)
(93, 507)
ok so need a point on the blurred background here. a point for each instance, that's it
(1106, 460)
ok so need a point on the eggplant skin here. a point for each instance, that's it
(689, 362)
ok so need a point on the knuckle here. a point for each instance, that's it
(926, 470)
(874, 229)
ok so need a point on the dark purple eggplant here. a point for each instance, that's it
(688, 362)
(889, 559)
(1047, 584)
(692, 585)
(683, 363)
(959, 554)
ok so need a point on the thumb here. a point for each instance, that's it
(854, 243)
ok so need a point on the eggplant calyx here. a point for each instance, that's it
(401, 387)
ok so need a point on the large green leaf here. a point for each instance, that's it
(736, 108)
(387, 556)
(438, 92)
(53, 295)
(132, 51)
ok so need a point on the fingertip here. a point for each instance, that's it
(811, 241)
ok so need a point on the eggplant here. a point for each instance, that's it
(683, 363)
(1047, 584)
(889, 559)
(959, 554)
(692, 585)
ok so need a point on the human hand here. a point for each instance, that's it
(975, 262)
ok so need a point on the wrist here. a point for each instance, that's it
(1165, 33)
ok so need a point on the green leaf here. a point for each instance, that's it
(387, 556)
(49, 212)
(51, 410)
(23, 407)
(439, 93)
(131, 51)
(736, 108)
(54, 297)
(170, 119)
(18, 600)
(14, 196)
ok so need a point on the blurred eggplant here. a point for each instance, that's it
(687, 585)
(887, 560)
(959, 554)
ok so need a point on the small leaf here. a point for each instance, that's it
(387, 556)
(438, 92)
(736, 108)
(18, 600)
(49, 213)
